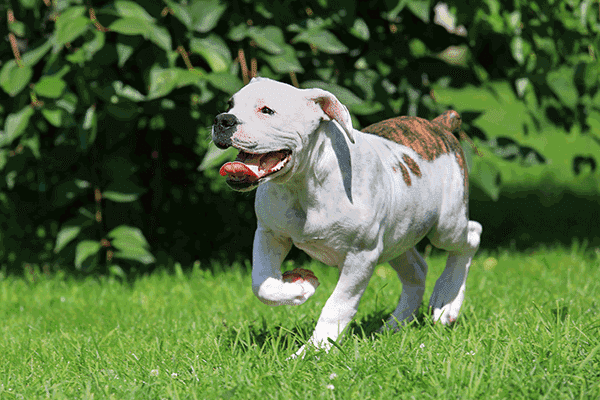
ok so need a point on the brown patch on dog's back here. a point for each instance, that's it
(405, 174)
(412, 165)
(429, 139)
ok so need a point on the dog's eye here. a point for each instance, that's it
(267, 110)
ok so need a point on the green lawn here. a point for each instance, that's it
(529, 328)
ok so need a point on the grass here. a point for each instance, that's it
(529, 329)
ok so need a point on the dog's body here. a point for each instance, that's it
(349, 199)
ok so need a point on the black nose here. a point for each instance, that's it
(225, 121)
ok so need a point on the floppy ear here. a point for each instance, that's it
(332, 107)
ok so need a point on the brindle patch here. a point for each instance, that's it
(412, 165)
(450, 119)
(405, 174)
(429, 139)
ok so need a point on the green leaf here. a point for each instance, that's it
(392, 14)
(344, 95)
(32, 57)
(418, 48)
(162, 81)
(130, 244)
(132, 26)
(286, 61)
(420, 9)
(50, 86)
(90, 119)
(161, 37)
(206, 14)
(182, 13)
(84, 250)
(127, 91)
(214, 50)
(15, 125)
(367, 108)
(115, 270)
(225, 81)
(17, 27)
(520, 49)
(29, 3)
(360, 29)
(129, 235)
(33, 144)
(130, 9)
(133, 253)
(68, 102)
(486, 176)
(69, 26)
(190, 77)
(13, 78)
(239, 32)
(120, 197)
(65, 236)
(53, 115)
(562, 84)
(269, 38)
(122, 192)
(3, 159)
(323, 40)
(88, 49)
(587, 74)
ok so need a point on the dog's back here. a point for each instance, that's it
(429, 139)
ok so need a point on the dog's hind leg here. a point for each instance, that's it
(449, 291)
(412, 271)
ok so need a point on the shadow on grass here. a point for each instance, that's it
(260, 333)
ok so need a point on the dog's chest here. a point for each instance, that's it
(316, 231)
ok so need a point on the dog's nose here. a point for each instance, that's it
(225, 121)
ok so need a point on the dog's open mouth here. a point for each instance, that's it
(248, 169)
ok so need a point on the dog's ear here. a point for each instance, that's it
(333, 108)
(256, 79)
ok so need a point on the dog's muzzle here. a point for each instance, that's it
(224, 126)
(248, 169)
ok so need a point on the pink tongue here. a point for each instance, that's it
(236, 168)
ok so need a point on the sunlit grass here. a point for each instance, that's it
(529, 328)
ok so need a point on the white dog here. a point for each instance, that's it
(350, 199)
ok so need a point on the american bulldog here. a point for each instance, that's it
(351, 199)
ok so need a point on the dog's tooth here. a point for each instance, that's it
(253, 168)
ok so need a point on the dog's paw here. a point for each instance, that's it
(304, 278)
(299, 275)
(445, 315)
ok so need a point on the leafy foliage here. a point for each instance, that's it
(107, 110)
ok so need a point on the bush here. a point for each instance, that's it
(109, 108)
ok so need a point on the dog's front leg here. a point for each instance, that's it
(268, 253)
(342, 305)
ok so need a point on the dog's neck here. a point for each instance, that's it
(329, 146)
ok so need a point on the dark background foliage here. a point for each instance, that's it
(106, 111)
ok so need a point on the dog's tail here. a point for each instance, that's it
(452, 121)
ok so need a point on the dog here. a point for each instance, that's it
(351, 199)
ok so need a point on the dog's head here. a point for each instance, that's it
(270, 123)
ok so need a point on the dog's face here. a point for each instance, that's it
(270, 122)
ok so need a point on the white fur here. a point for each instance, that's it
(340, 200)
